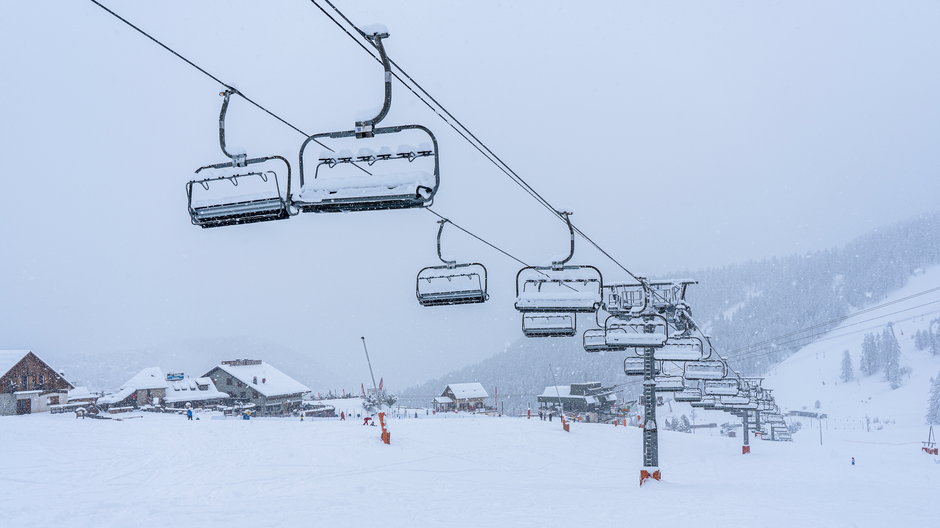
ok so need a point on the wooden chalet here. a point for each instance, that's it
(461, 397)
(28, 384)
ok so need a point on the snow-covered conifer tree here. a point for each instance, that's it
(848, 373)
(933, 403)
(869, 362)
(891, 356)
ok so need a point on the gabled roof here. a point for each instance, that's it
(563, 391)
(9, 358)
(463, 391)
(148, 378)
(265, 379)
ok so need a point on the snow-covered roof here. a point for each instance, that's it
(9, 358)
(463, 391)
(563, 391)
(79, 393)
(265, 379)
(443, 399)
(192, 389)
(148, 378)
(120, 395)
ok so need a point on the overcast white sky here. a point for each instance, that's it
(682, 134)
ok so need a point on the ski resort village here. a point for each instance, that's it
(469, 264)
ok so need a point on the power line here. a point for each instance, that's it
(464, 132)
(772, 340)
(204, 71)
(279, 118)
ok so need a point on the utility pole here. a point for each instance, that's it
(369, 361)
(746, 448)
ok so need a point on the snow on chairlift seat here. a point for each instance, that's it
(211, 204)
(688, 395)
(463, 284)
(365, 186)
(669, 383)
(595, 340)
(549, 324)
(734, 400)
(633, 332)
(705, 370)
(680, 349)
(633, 366)
(721, 387)
(557, 300)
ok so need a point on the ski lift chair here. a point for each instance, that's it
(680, 349)
(644, 331)
(688, 395)
(633, 366)
(669, 384)
(549, 324)
(735, 400)
(341, 183)
(724, 387)
(559, 288)
(247, 196)
(705, 370)
(451, 283)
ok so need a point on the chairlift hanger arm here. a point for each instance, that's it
(448, 263)
(366, 127)
(238, 160)
(560, 263)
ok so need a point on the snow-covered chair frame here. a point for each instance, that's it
(359, 190)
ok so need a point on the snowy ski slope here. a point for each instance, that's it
(160, 470)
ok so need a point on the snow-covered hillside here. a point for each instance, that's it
(813, 373)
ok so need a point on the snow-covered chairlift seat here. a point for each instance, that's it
(680, 349)
(637, 332)
(213, 204)
(688, 395)
(549, 324)
(705, 370)
(442, 285)
(669, 383)
(633, 366)
(569, 289)
(725, 387)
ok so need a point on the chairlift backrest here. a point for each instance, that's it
(737, 399)
(595, 340)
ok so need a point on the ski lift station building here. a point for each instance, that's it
(28, 384)
(577, 397)
(461, 397)
(254, 381)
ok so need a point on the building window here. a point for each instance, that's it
(228, 381)
(240, 384)
(53, 400)
(42, 380)
(25, 386)
(254, 394)
(243, 394)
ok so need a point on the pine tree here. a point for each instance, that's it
(848, 373)
(933, 403)
(869, 362)
(684, 424)
(921, 341)
(891, 354)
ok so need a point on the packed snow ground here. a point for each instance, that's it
(159, 470)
